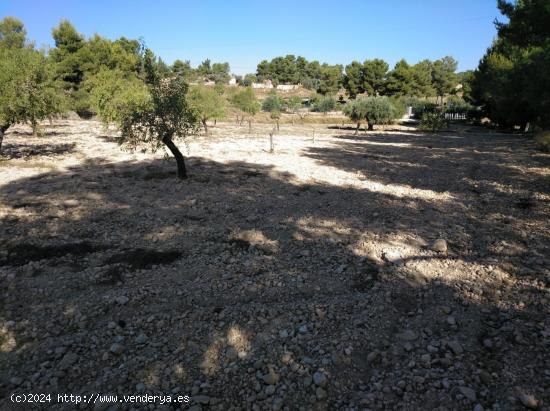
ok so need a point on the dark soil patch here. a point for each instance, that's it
(22, 254)
(365, 281)
(141, 258)
(159, 175)
(239, 243)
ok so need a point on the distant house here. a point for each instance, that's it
(267, 84)
(232, 81)
(288, 87)
(209, 83)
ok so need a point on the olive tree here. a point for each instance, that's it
(356, 111)
(294, 104)
(325, 104)
(378, 110)
(28, 93)
(153, 114)
(374, 110)
(274, 105)
(245, 101)
(207, 103)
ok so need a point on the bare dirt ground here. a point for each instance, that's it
(309, 278)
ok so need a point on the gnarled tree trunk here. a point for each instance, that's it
(205, 126)
(357, 128)
(3, 129)
(180, 161)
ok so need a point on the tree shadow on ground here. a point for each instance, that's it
(17, 150)
(258, 271)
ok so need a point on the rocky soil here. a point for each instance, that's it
(388, 270)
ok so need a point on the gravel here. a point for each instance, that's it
(304, 279)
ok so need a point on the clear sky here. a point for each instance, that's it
(245, 32)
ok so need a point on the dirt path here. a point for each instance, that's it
(303, 279)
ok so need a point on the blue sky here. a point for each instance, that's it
(245, 32)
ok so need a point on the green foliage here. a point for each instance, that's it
(542, 139)
(330, 79)
(458, 105)
(76, 59)
(512, 81)
(374, 75)
(245, 101)
(28, 92)
(325, 104)
(399, 106)
(353, 79)
(207, 103)
(419, 106)
(273, 103)
(276, 116)
(422, 85)
(182, 69)
(111, 92)
(444, 78)
(374, 110)
(399, 81)
(217, 72)
(379, 110)
(248, 80)
(356, 110)
(12, 33)
(294, 103)
(290, 69)
(153, 116)
(433, 121)
(368, 77)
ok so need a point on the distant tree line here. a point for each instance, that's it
(372, 77)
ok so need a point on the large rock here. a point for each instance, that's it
(439, 245)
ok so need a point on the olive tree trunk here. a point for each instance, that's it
(357, 128)
(3, 129)
(371, 126)
(180, 161)
(205, 126)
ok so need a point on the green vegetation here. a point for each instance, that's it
(28, 91)
(325, 104)
(373, 110)
(273, 102)
(433, 121)
(245, 101)
(323, 78)
(207, 103)
(151, 114)
(356, 111)
(512, 81)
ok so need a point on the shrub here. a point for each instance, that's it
(433, 121)
(399, 105)
(379, 110)
(374, 110)
(458, 105)
(273, 102)
(542, 139)
(207, 103)
(325, 104)
(355, 110)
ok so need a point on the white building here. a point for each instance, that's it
(266, 85)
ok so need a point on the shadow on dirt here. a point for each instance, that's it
(314, 264)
